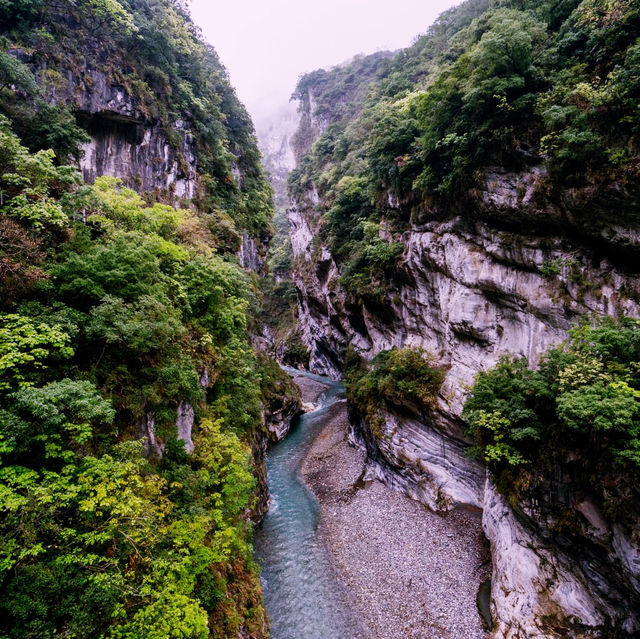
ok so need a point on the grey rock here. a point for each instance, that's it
(506, 271)
(147, 432)
(126, 143)
(253, 253)
(184, 425)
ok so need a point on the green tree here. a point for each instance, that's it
(15, 75)
(584, 400)
(54, 127)
(62, 415)
(26, 348)
(30, 183)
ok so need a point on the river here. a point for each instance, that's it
(302, 595)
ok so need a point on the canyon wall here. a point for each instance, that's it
(506, 269)
(168, 125)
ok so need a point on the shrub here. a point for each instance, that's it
(398, 376)
(583, 402)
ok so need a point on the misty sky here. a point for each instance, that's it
(267, 44)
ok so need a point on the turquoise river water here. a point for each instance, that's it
(302, 596)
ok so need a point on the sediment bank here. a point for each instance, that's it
(410, 573)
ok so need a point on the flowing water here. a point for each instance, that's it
(302, 597)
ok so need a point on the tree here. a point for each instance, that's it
(54, 127)
(26, 348)
(63, 415)
(584, 400)
(15, 75)
(30, 182)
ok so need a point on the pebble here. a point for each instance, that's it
(406, 572)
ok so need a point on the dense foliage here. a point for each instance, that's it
(112, 329)
(152, 51)
(122, 312)
(492, 83)
(401, 376)
(582, 404)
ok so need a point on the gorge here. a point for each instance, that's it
(450, 230)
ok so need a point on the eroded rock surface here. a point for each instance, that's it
(507, 272)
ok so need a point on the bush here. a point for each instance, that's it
(398, 376)
(583, 402)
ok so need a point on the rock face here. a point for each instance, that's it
(467, 290)
(278, 419)
(125, 142)
(543, 589)
(414, 453)
(140, 152)
(253, 253)
(184, 425)
(522, 572)
(283, 403)
(147, 432)
(506, 271)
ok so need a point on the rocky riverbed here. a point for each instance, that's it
(408, 572)
(310, 388)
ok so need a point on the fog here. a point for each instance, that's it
(266, 45)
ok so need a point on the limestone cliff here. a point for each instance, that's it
(503, 268)
(470, 287)
(156, 106)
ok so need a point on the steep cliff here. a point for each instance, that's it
(277, 323)
(464, 199)
(154, 101)
(133, 409)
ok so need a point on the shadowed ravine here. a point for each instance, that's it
(302, 596)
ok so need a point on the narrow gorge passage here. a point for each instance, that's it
(301, 592)
(360, 560)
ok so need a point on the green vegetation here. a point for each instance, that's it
(582, 403)
(118, 308)
(116, 324)
(152, 51)
(399, 376)
(501, 83)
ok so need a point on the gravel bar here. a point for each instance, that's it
(409, 573)
(310, 388)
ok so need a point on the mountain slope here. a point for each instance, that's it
(469, 198)
(131, 405)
